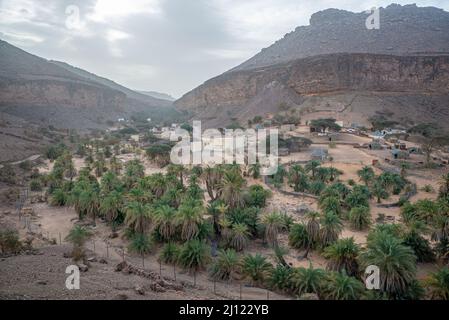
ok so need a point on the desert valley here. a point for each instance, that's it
(362, 181)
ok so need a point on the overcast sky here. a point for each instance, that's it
(168, 46)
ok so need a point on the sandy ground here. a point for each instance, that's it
(54, 224)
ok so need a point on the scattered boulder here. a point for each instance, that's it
(42, 282)
(103, 261)
(83, 267)
(40, 198)
(159, 284)
(121, 296)
(139, 290)
(6, 213)
(156, 288)
(27, 211)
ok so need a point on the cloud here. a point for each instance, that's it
(105, 10)
(161, 45)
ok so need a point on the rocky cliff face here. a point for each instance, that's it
(337, 63)
(59, 93)
(56, 93)
(403, 30)
(324, 74)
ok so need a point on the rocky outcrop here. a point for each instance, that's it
(49, 92)
(323, 74)
(244, 94)
(59, 93)
(340, 68)
(403, 30)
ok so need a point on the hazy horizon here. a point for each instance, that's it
(168, 46)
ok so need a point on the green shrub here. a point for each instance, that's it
(9, 242)
(35, 185)
(169, 253)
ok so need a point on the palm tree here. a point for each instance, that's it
(307, 280)
(322, 174)
(379, 191)
(298, 237)
(109, 182)
(444, 187)
(360, 217)
(156, 183)
(334, 173)
(330, 204)
(231, 189)
(141, 244)
(273, 224)
(239, 236)
(397, 263)
(254, 170)
(280, 278)
(419, 244)
(89, 202)
(342, 256)
(139, 195)
(169, 253)
(331, 227)
(313, 226)
(70, 170)
(339, 286)
(358, 196)
(134, 170)
(99, 168)
(366, 174)
(440, 228)
(194, 255)
(189, 216)
(256, 268)
(298, 177)
(177, 170)
(212, 177)
(112, 205)
(78, 236)
(115, 165)
(312, 166)
(226, 265)
(438, 284)
(58, 198)
(164, 219)
(138, 216)
(217, 209)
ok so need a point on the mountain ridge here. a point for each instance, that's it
(40, 90)
(307, 71)
(404, 29)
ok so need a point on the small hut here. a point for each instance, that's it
(319, 154)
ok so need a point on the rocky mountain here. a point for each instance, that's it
(50, 92)
(338, 68)
(158, 95)
(403, 30)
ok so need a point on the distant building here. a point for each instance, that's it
(319, 154)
